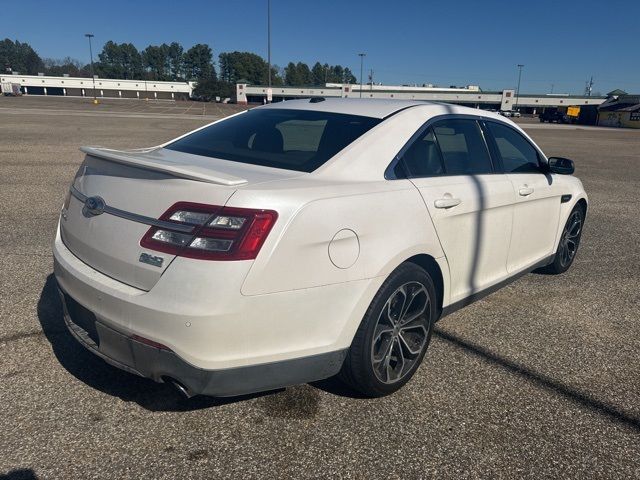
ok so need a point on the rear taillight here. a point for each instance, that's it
(217, 233)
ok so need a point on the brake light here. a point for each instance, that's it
(217, 233)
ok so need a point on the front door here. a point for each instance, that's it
(537, 208)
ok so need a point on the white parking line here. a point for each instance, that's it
(33, 111)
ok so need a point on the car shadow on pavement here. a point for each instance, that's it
(542, 381)
(19, 474)
(98, 374)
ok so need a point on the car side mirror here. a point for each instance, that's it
(562, 166)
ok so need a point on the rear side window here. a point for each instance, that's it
(463, 149)
(422, 158)
(518, 155)
(290, 139)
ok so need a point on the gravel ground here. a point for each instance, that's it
(539, 380)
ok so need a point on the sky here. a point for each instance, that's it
(561, 43)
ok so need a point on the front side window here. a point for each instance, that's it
(463, 149)
(518, 155)
(300, 140)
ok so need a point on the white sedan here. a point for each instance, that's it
(305, 239)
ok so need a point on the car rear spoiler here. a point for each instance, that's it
(150, 159)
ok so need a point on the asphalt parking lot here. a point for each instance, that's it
(538, 380)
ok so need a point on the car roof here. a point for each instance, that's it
(366, 107)
(378, 107)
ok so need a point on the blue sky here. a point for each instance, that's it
(457, 42)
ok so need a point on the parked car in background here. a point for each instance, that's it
(552, 116)
(304, 239)
(506, 113)
(515, 114)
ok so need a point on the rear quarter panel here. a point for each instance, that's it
(389, 218)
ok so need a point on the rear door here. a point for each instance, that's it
(470, 206)
(537, 206)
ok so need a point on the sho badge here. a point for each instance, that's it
(151, 259)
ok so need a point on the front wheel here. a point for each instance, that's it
(394, 334)
(569, 242)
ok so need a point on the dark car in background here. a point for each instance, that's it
(553, 116)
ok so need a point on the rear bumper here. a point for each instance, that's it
(219, 342)
(162, 365)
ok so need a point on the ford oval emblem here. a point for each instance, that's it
(93, 206)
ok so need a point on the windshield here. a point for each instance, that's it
(299, 140)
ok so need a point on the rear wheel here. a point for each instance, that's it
(569, 242)
(394, 334)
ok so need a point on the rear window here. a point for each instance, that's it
(289, 139)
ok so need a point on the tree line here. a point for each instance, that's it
(171, 62)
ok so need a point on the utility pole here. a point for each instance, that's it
(269, 48)
(588, 87)
(371, 79)
(552, 85)
(518, 89)
(93, 76)
(361, 55)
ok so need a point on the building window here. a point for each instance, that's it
(508, 94)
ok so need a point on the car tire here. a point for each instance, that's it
(569, 242)
(392, 338)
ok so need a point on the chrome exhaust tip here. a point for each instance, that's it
(179, 386)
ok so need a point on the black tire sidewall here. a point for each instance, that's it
(557, 266)
(362, 368)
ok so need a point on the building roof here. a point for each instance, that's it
(626, 103)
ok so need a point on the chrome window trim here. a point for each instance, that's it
(134, 217)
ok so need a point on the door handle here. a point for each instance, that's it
(525, 191)
(446, 202)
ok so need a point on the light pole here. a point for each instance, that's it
(93, 76)
(269, 47)
(361, 55)
(518, 89)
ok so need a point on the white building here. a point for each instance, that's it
(104, 87)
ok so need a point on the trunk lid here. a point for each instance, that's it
(141, 185)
